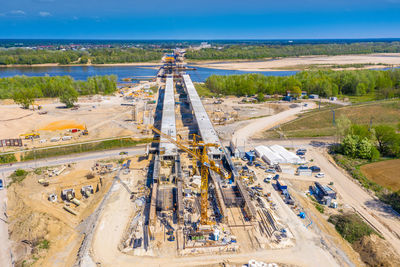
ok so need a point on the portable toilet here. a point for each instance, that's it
(216, 234)
(250, 156)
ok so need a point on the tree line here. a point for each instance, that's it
(22, 56)
(25, 89)
(291, 50)
(382, 83)
(368, 143)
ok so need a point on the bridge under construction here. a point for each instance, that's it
(196, 192)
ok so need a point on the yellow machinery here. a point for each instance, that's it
(30, 135)
(85, 132)
(199, 152)
(169, 59)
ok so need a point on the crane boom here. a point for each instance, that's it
(206, 164)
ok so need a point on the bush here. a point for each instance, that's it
(7, 158)
(18, 176)
(350, 226)
(319, 207)
(20, 172)
(44, 244)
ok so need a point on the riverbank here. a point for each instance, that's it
(151, 63)
(341, 62)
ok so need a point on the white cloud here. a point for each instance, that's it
(17, 12)
(44, 14)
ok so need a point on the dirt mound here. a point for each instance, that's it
(375, 251)
(62, 125)
(28, 228)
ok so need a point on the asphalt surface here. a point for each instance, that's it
(7, 169)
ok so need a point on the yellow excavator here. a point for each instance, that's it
(199, 152)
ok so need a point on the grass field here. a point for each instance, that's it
(386, 173)
(319, 122)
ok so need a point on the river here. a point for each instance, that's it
(137, 72)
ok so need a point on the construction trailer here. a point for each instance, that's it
(324, 191)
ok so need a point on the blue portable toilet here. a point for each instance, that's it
(302, 215)
(250, 156)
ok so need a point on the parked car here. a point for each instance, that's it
(315, 169)
(271, 171)
(1, 184)
(302, 167)
(320, 175)
(267, 180)
(300, 153)
(123, 153)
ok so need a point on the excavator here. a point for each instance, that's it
(199, 152)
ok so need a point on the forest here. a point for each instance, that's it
(381, 83)
(22, 56)
(55, 86)
(274, 51)
(120, 54)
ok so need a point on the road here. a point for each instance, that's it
(379, 215)
(5, 170)
(5, 256)
(116, 214)
(242, 136)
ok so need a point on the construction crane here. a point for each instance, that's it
(199, 152)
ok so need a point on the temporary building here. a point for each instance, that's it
(289, 157)
(268, 155)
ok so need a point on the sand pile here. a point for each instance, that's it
(62, 125)
(376, 251)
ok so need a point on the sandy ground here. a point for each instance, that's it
(299, 63)
(379, 215)
(104, 117)
(113, 221)
(5, 243)
(242, 136)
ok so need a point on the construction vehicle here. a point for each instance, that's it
(30, 135)
(85, 132)
(199, 152)
(39, 107)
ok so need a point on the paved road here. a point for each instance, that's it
(5, 170)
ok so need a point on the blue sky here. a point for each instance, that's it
(201, 19)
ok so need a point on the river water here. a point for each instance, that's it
(137, 72)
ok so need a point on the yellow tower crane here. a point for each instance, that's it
(199, 152)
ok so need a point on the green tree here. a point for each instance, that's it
(260, 97)
(387, 139)
(26, 96)
(350, 145)
(69, 96)
(343, 125)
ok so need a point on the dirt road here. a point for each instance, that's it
(5, 256)
(115, 217)
(381, 216)
(242, 136)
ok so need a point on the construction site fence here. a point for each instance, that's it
(46, 152)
